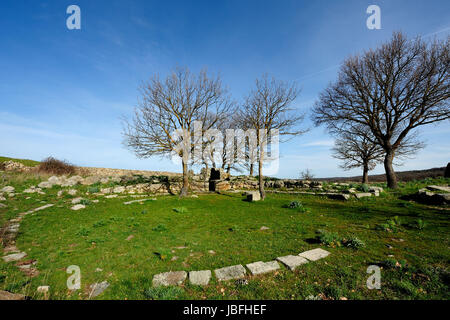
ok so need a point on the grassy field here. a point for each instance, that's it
(408, 240)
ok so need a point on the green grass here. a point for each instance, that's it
(178, 234)
(29, 163)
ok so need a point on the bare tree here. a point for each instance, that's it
(175, 104)
(267, 110)
(390, 91)
(356, 150)
(306, 174)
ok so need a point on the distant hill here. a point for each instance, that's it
(401, 175)
(25, 162)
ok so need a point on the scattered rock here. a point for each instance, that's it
(7, 189)
(314, 254)
(212, 252)
(43, 289)
(5, 295)
(264, 228)
(2, 205)
(76, 200)
(111, 196)
(169, 278)
(292, 262)
(119, 189)
(200, 278)
(78, 207)
(45, 185)
(228, 273)
(14, 257)
(98, 270)
(262, 267)
(129, 237)
(98, 288)
(72, 192)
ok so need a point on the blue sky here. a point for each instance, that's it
(63, 91)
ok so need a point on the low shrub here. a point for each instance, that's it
(296, 205)
(163, 293)
(329, 238)
(363, 188)
(94, 189)
(354, 243)
(160, 228)
(55, 166)
(180, 210)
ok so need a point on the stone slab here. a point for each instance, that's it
(200, 278)
(362, 195)
(314, 254)
(172, 278)
(14, 257)
(439, 188)
(229, 273)
(260, 267)
(139, 200)
(292, 262)
(98, 288)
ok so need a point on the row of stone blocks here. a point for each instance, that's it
(237, 272)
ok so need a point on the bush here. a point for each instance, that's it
(306, 175)
(328, 238)
(354, 243)
(363, 187)
(160, 228)
(180, 210)
(294, 205)
(420, 224)
(55, 166)
(94, 189)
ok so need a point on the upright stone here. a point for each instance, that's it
(292, 262)
(229, 273)
(314, 254)
(260, 267)
(253, 196)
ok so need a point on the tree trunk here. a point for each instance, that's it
(365, 178)
(228, 169)
(251, 170)
(205, 177)
(390, 174)
(262, 193)
(185, 189)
